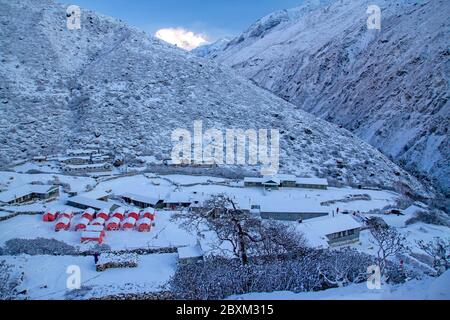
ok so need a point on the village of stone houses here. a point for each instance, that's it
(128, 232)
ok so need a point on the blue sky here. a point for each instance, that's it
(214, 18)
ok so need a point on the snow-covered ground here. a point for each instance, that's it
(425, 289)
(46, 276)
(15, 179)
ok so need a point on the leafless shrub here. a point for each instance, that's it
(439, 251)
(9, 281)
(389, 243)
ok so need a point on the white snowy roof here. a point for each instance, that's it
(64, 220)
(24, 190)
(130, 220)
(412, 210)
(95, 228)
(270, 180)
(144, 221)
(313, 181)
(190, 252)
(134, 210)
(141, 198)
(73, 157)
(119, 210)
(281, 177)
(80, 151)
(106, 210)
(90, 166)
(89, 211)
(83, 221)
(253, 179)
(114, 220)
(330, 225)
(179, 197)
(89, 202)
(293, 207)
(148, 210)
(91, 234)
(99, 220)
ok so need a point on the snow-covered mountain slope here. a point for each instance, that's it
(208, 50)
(389, 87)
(113, 85)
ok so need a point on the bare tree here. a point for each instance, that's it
(9, 281)
(389, 243)
(439, 251)
(246, 234)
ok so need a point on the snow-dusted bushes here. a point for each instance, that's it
(9, 281)
(218, 278)
(38, 246)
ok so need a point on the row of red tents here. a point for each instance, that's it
(120, 213)
(54, 214)
(142, 220)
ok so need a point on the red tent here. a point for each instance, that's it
(87, 236)
(98, 222)
(134, 213)
(119, 213)
(104, 214)
(82, 224)
(149, 213)
(129, 223)
(144, 225)
(67, 214)
(50, 216)
(113, 224)
(89, 214)
(62, 224)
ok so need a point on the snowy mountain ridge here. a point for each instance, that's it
(112, 85)
(389, 87)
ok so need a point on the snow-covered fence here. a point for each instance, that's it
(113, 260)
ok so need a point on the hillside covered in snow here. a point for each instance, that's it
(115, 86)
(389, 87)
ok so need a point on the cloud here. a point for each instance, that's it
(181, 37)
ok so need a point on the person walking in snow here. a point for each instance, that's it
(96, 258)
